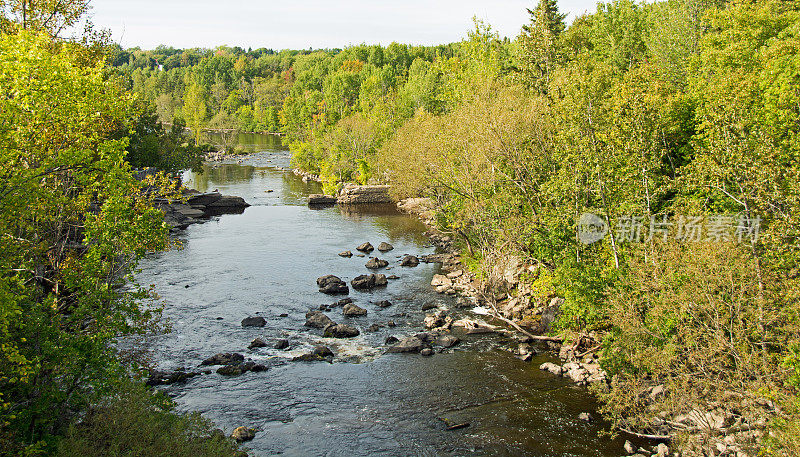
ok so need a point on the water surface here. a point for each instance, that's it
(265, 262)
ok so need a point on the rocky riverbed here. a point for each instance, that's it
(423, 375)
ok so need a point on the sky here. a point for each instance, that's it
(303, 24)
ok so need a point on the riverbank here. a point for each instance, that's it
(704, 430)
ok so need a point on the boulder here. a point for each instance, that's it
(383, 304)
(227, 202)
(368, 282)
(365, 247)
(203, 199)
(321, 199)
(391, 340)
(242, 434)
(441, 281)
(433, 321)
(340, 331)
(351, 310)
(354, 194)
(446, 341)
(409, 261)
(363, 282)
(409, 344)
(224, 358)
(629, 447)
(322, 351)
(331, 285)
(427, 352)
(158, 378)
(346, 254)
(230, 370)
(376, 263)
(550, 314)
(385, 247)
(317, 319)
(552, 368)
(281, 344)
(255, 321)
(343, 302)
(429, 306)
(257, 343)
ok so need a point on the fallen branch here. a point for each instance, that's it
(589, 351)
(555, 339)
(646, 436)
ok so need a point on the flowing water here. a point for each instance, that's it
(265, 262)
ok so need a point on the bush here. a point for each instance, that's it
(139, 422)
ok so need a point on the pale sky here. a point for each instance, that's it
(300, 24)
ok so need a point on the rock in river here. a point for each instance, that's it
(427, 352)
(317, 319)
(409, 344)
(331, 285)
(383, 304)
(351, 310)
(366, 247)
(385, 247)
(256, 321)
(376, 263)
(446, 341)
(257, 343)
(368, 282)
(346, 254)
(320, 353)
(282, 344)
(409, 261)
(242, 434)
(224, 358)
(340, 331)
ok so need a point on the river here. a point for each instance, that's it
(265, 262)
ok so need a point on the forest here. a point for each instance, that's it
(675, 125)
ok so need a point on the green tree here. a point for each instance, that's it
(539, 51)
(194, 109)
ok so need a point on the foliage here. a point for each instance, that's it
(116, 426)
(73, 223)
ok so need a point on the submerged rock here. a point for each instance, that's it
(281, 344)
(383, 304)
(256, 321)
